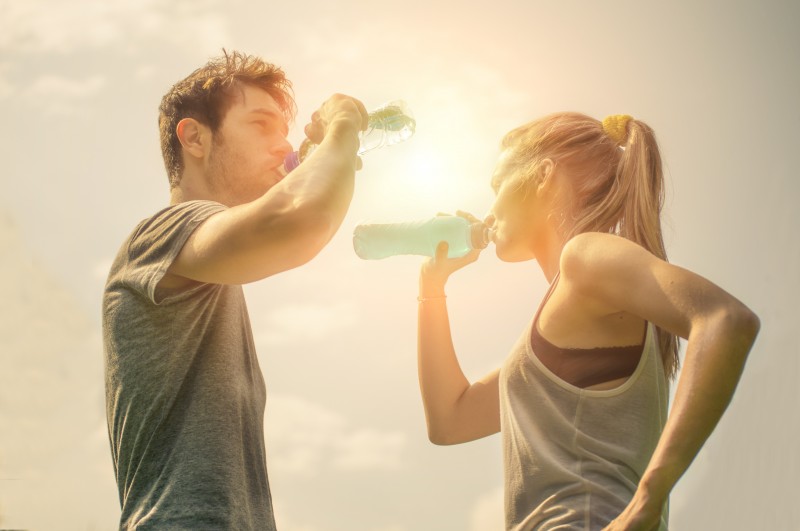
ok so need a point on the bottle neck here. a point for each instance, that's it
(480, 235)
(393, 118)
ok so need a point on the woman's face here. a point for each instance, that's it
(514, 214)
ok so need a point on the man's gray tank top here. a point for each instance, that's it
(573, 457)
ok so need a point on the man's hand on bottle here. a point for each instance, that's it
(340, 111)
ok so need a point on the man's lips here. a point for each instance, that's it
(276, 175)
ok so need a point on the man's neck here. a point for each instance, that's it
(176, 196)
(190, 188)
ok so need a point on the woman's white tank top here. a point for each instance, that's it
(573, 457)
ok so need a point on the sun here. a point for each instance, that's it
(430, 172)
(434, 171)
(439, 179)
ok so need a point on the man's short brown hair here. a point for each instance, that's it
(207, 94)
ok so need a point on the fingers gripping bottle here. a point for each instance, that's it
(376, 241)
(389, 124)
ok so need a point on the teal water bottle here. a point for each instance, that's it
(376, 241)
(389, 124)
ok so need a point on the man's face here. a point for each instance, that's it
(248, 148)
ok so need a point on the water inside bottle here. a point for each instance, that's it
(388, 125)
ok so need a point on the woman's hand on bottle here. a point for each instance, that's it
(436, 270)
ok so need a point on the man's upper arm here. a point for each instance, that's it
(246, 243)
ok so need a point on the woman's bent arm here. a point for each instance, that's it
(720, 332)
(455, 410)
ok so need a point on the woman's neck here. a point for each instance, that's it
(548, 253)
(549, 263)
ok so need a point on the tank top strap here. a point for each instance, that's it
(546, 298)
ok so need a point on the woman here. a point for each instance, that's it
(582, 398)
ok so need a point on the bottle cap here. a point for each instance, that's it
(481, 235)
(291, 161)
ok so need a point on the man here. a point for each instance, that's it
(185, 395)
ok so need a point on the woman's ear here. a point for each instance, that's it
(193, 136)
(546, 170)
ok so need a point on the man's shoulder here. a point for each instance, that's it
(144, 256)
(175, 213)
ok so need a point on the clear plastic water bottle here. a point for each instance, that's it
(376, 241)
(389, 124)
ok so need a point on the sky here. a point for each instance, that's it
(80, 84)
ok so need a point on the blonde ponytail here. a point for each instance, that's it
(640, 179)
(616, 181)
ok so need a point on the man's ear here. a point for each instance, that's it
(194, 137)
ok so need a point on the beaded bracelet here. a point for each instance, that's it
(423, 299)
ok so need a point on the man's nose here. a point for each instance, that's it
(281, 148)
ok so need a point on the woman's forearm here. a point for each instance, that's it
(716, 353)
(441, 379)
(456, 411)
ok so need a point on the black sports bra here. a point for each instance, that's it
(584, 367)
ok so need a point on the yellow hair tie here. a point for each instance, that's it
(616, 126)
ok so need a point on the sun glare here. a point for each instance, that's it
(429, 173)
(437, 179)
(437, 170)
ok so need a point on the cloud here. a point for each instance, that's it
(57, 95)
(304, 437)
(369, 449)
(287, 521)
(49, 86)
(487, 514)
(6, 88)
(53, 26)
(144, 72)
(55, 464)
(307, 321)
(101, 269)
(324, 42)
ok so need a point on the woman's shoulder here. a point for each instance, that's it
(591, 258)
(598, 272)
(599, 248)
